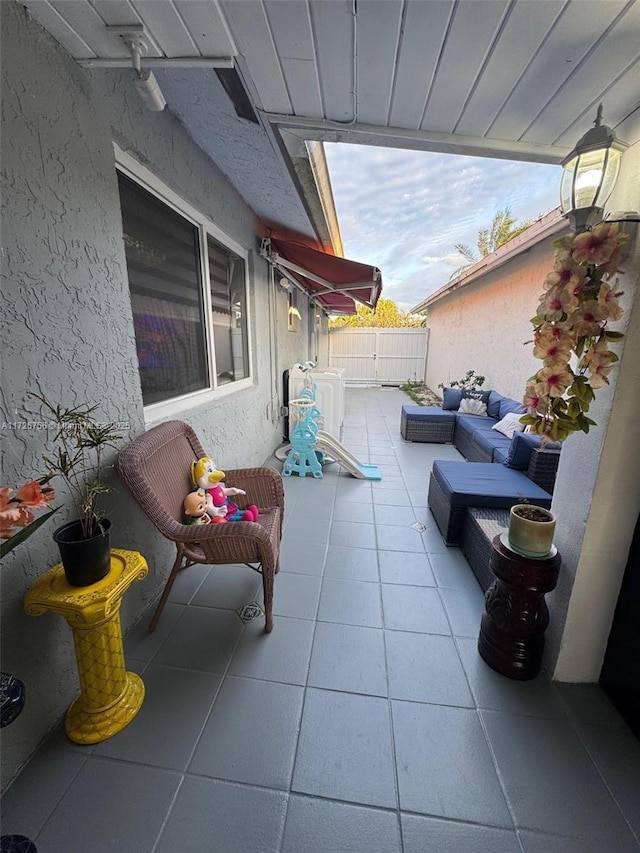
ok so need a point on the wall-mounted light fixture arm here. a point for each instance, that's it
(133, 37)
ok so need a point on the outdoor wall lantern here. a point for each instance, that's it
(589, 175)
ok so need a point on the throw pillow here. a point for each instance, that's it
(451, 399)
(493, 406)
(509, 424)
(471, 406)
(507, 405)
(478, 396)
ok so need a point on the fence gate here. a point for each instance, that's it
(385, 356)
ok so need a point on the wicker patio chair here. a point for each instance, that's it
(156, 467)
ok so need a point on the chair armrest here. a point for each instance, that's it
(263, 486)
(210, 533)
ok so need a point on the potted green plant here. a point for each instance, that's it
(80, 442)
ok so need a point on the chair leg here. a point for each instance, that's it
(267, 588)
(165, 592)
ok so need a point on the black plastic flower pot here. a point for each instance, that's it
(85, 561)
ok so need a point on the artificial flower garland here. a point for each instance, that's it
(17, 523)
(578, 301)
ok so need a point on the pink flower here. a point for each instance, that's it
(609, 301)
(556, 302)
(566, 272)
(598, 245)
(598, 357)
(599, 376)
(553, 381)
(31, 494)
(8, 517)
(24, 517)
(587, 320)
(534, 401)
(14, 512)
(551, 352)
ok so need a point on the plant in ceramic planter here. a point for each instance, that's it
(80, 443)
(531, 530)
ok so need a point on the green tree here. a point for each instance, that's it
(385, 315)
(503, 228)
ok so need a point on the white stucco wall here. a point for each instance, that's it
(68, 329)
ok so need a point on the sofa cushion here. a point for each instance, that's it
(470, 423)
(500, 454)
(473, 406)
(520, 449)
(486, 484)
(451, 399)
(476, 394)
(493, 406)
(508, 405)
(491, 441)
(509, 424)
(428, 414)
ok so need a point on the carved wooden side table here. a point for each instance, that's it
(516, 615)
(110, 697)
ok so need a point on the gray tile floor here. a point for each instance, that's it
(365, 723)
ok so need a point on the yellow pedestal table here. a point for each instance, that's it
(110, 697)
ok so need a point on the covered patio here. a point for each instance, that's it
(365, 722)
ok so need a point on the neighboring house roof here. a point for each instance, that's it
(543, 229)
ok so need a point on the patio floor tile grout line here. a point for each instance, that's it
(305, 686)
(601, 776)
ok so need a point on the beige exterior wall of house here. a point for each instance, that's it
(484, 325)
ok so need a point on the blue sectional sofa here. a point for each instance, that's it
(508, 469)
(454, 486)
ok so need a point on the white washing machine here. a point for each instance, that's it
(330, 394)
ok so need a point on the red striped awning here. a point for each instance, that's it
(335, 283)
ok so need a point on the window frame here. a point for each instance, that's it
(147, 180)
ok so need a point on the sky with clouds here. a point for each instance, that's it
(403, 211)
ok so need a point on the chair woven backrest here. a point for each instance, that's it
(156, 468)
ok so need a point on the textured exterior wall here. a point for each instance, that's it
(483, 326)
(68, 332)
(597, 496)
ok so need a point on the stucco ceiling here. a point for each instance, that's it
(518, 79)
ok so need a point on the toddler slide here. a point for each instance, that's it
(326, 443)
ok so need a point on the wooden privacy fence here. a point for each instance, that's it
(383, 356)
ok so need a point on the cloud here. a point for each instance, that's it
(404, 211)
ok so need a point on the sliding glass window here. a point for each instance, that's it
(190, 338)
